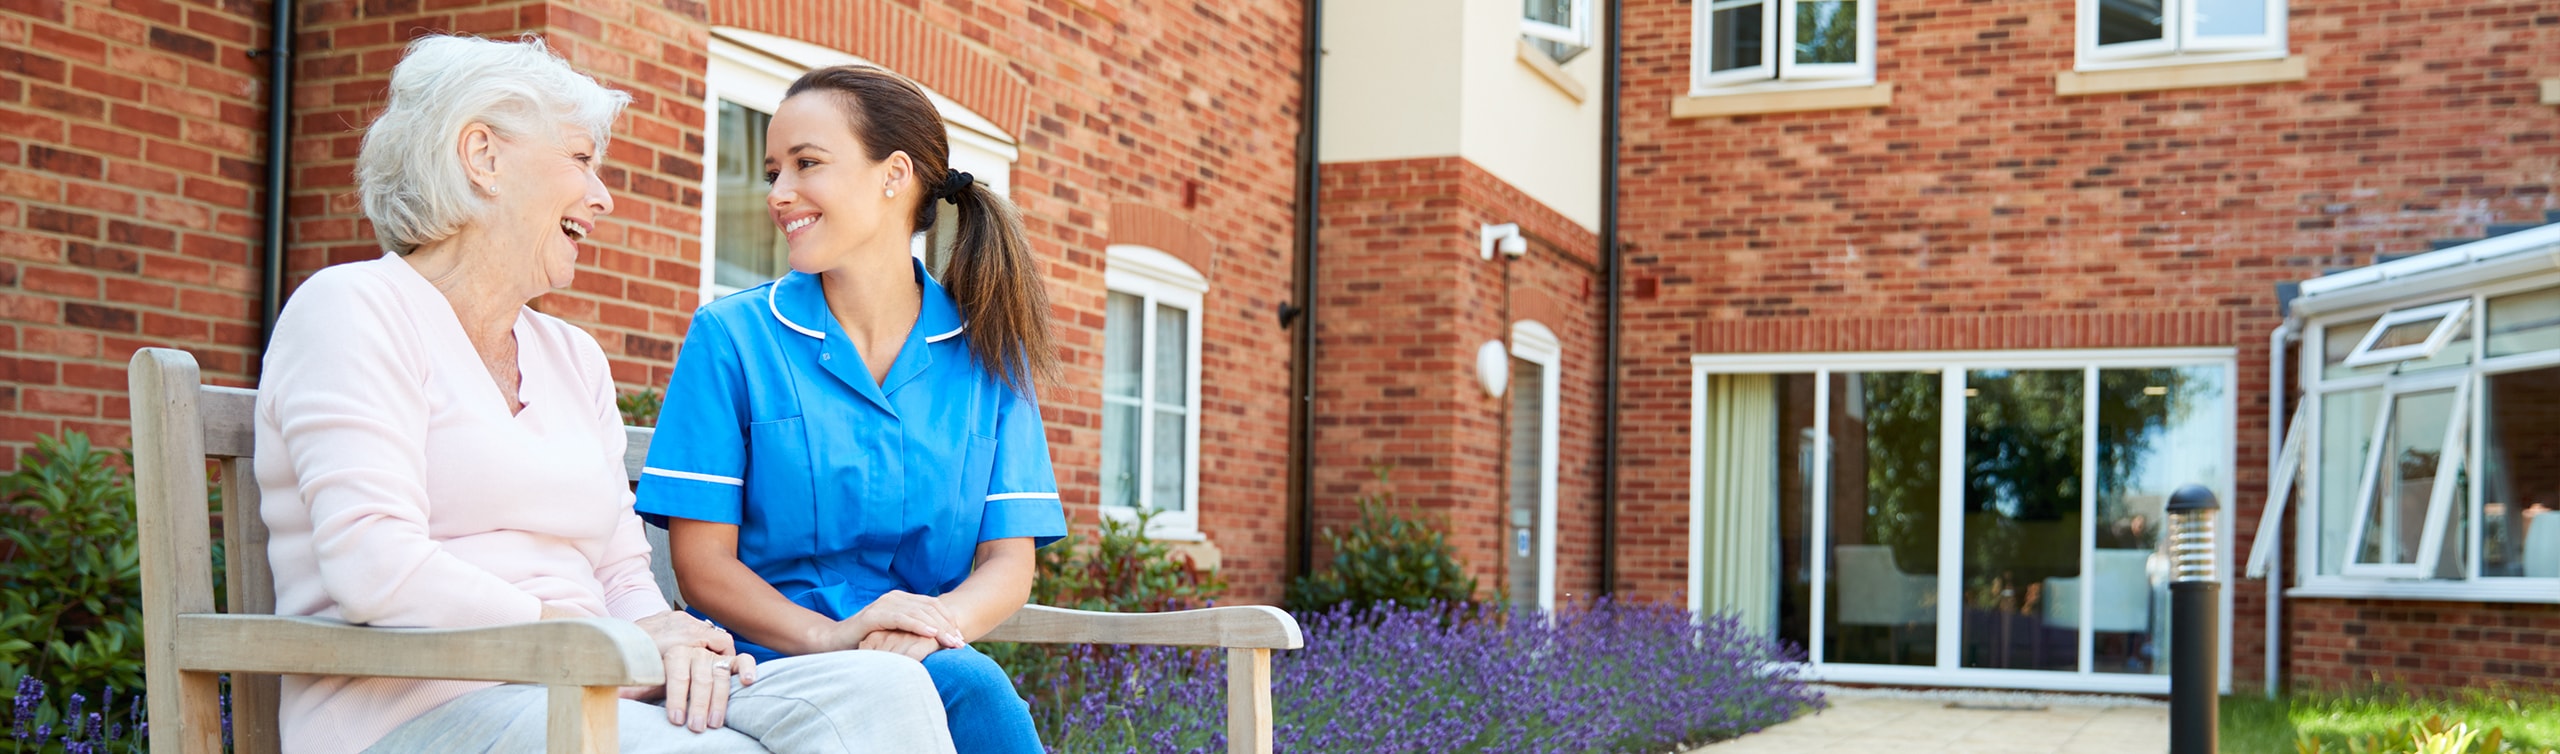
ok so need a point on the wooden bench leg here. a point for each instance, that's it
(1249, 701)
(582, 720)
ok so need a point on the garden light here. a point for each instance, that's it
(2194, 640)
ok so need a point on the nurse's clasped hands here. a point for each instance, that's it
(905, 623)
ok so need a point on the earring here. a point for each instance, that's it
(892, 193)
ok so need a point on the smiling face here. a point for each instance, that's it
(829, 196)
(549, 195)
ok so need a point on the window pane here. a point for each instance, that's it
(2121, 21)
(2158, 430)
(2518, 536)
(749, 249)
(1827, 31)
(1173, 355)
(2346, 437)
(2455, 353)
(2022, 437)
(1882, 603)
(1527, 396)
(1168, 465)
(2340, 339)
(2231, 18)
(1795, 467)
(1119, 453)
(2412, 444)
(1734, 39)
(2524, 322)
(1121, 341)
(1558, 12)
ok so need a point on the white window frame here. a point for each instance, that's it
(2317, 389)
(2179, 44)
(1532, 342)
(1578, 34)
(754, 69)
(2449, 318)
(2449, 466)
(1160, 279)
(1952, 366)
(1776, 70)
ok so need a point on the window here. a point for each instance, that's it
(1955, 517)
(2151, 32)
(1151, 390)
(2427, 434)
(1561, 28)
(748, 74)
(1761, 44)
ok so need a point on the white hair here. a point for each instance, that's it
(408, 174)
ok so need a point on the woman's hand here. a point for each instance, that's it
(673, 629)
(900, 642)
(697, 688)
(914, 614)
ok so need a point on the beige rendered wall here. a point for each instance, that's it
(1391, 83)
(1523, 128)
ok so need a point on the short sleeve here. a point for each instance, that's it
(1022, 496)
(698, 457)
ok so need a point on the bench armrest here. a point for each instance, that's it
(582, 652)
(1239, 627)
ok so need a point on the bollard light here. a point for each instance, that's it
(2192, 513)
(2195, 641)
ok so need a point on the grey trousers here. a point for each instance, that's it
(834, 703)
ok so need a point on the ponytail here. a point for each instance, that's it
(995, 278)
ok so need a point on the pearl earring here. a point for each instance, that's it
(891, 193)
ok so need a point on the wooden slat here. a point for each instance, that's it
(229, 416)
(581, 652)
(1247, 626)
(177, 551)
(636, 452)
(250, 589)
(582, 721)
(1249, 700)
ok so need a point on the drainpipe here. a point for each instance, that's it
(1300, 314)
(1617, 289)
(279, 54)
(2278, 343)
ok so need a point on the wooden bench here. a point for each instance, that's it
(179, 425)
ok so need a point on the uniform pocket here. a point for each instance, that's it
(969, 511)
(781, 506)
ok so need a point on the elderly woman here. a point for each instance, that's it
(433, 453)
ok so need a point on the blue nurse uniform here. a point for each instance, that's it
(843, 489)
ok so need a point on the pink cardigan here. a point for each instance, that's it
(399, 492)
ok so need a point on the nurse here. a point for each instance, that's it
(850, 457)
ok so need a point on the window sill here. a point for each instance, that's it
(2551, 91)
(1547, 68)
(2191, 76)
(2535, 591)
(1161, 531)
(1782, 101)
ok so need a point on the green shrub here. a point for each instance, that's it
(71, 590)
(640, 409)
(1394, 555)
(2430, 736)
(1120, 571)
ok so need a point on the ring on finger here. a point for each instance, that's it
(722, 666)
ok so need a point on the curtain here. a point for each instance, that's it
(1740, 549)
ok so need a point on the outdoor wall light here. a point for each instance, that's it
(1493, 367)
(1505, 236)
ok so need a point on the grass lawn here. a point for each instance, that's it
(2253, 724)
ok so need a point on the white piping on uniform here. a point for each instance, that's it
(1022, 496)
(786, 321)
(946, 336)
(714, 479)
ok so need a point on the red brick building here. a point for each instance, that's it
(1924, 311)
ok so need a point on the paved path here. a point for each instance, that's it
(1904, 722)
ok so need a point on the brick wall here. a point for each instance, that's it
(1406, 301)
(131, 141)
(1983, 208)
(2423, 646)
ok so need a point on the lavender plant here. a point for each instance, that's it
(1604, 677)
(36, 726)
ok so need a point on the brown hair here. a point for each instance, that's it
(993, 274)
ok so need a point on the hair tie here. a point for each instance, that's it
(954, 183)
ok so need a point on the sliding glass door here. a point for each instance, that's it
(1976, 518)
